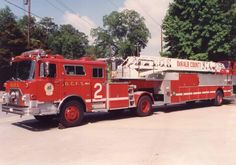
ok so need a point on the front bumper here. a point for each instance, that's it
(36, 109)
(20, 110)
(32, 107)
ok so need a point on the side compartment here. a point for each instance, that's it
(118, 94)
(199, 86)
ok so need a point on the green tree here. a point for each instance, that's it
(12, 40)
(230, 8)
(37, 33)
(40, 32)
(197, 29)
(69, 42)
(103, 42)
(48, 25)
(49, 29)
(124, 34)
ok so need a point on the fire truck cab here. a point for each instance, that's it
(48, 86)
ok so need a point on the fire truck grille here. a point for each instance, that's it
(15, 96)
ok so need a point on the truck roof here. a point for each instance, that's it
(41, 55)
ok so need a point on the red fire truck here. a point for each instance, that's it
(48, 86)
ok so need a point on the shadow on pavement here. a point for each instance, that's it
(106, 116)
(34, 125)
(188, 106)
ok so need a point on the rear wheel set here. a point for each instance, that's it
(218, 100)
(144, 107)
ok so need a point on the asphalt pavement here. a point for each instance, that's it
(197, 134)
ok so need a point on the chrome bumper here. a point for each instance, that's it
(37, 109)
(20, 110)
(32, 107)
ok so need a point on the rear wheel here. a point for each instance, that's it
(144, 106)
(218, 98)
(46, 118)
(71, 114)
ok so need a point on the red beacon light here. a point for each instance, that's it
(85, 59)
(38, 54)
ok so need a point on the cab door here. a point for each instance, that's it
(50, 82)
(98, 88)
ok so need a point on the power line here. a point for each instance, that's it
(54, 6)
(148, 14)
(157, 23)
(65, 6)
(29, 16)
(72, 11)
(113, 3)
(22, 8)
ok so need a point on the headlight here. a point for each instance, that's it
(2, 99)
(26, 99)
(5, 98)
(17, 93)
(13, 94)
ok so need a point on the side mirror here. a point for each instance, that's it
(46, 69)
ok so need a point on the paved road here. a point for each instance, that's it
(3, 114)
(176, 135)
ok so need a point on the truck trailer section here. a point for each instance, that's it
(176, 80)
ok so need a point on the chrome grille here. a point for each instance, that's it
(15, 96)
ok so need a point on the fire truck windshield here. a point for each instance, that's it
(23, 70)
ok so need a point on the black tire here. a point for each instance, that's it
(218, 98)
(144, 106)
(116, 112)
(190, 102)
(71, 114)
(46, 118)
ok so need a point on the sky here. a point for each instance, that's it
(87, 14)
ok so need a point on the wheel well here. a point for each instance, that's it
(145, 94)
(75, 98)
(221, 90)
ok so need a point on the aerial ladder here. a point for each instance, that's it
(150, 66)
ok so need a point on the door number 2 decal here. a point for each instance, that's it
(98, 87)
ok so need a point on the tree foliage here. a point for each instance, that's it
(12, 40)
(44, 34)
(124, 34)
(198, 29)
(69, 42)
(230, 8)
(40, 32)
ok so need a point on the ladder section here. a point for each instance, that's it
(146, 66)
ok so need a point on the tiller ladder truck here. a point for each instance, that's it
(49, 86)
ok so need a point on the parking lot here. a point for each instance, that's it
(174, 135)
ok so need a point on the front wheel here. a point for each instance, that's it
(144, 106)
(71, 114)
(218, 98)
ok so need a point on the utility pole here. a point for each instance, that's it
(28, 2)
(161, 40)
